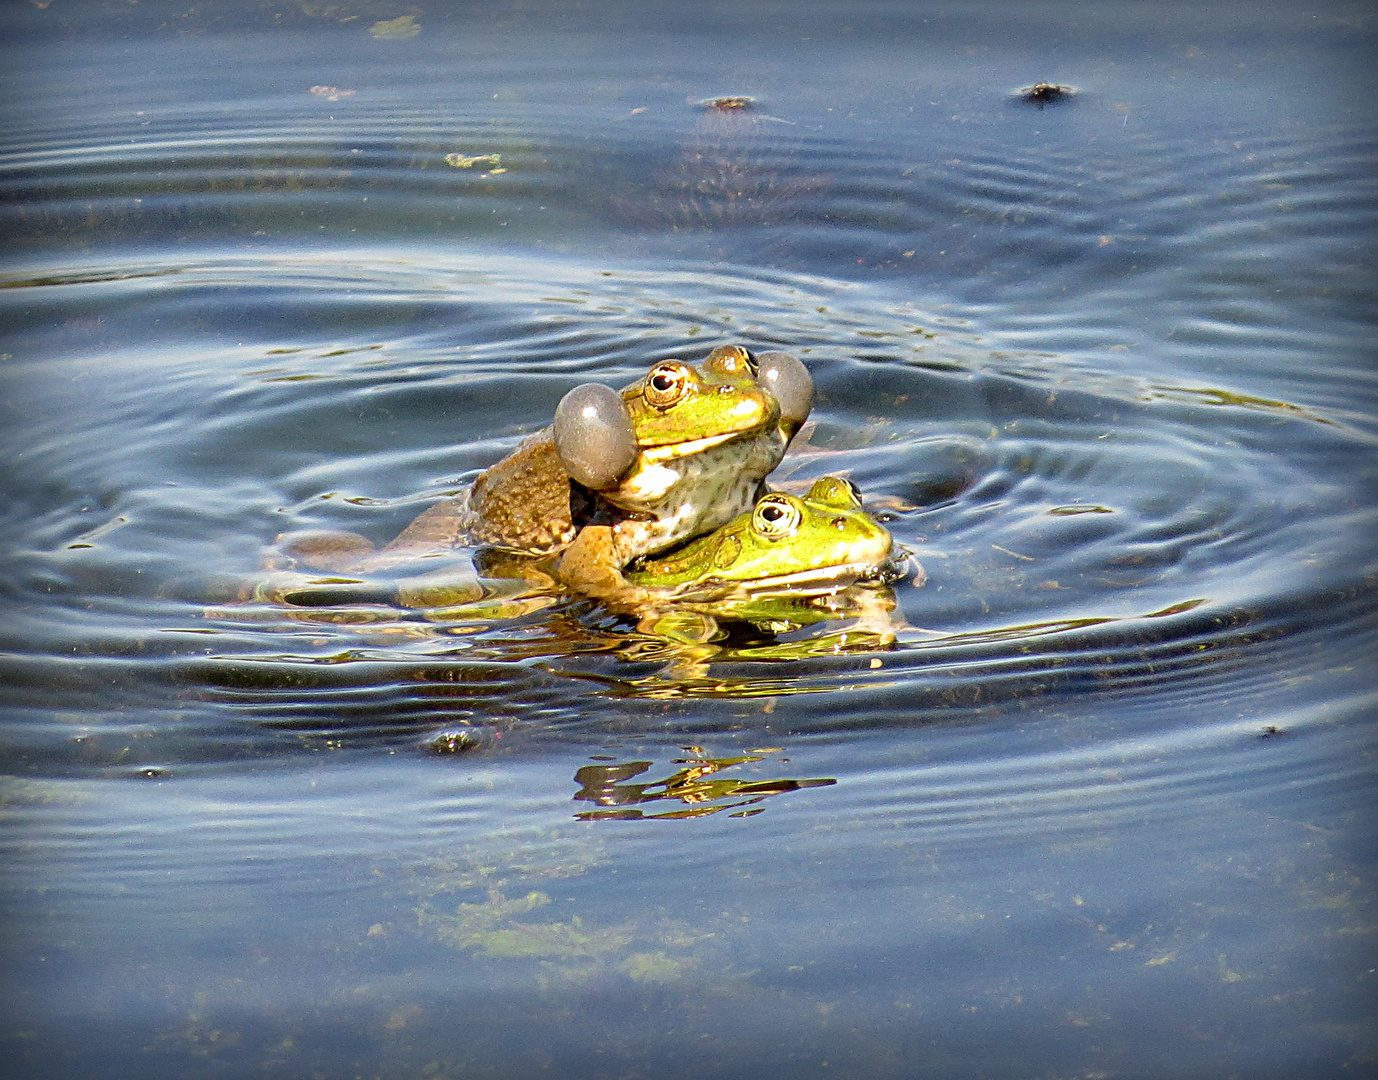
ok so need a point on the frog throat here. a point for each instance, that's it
(650, 480)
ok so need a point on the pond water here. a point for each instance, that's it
(1104, 366)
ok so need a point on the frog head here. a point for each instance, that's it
(787, 544)
(624, 444)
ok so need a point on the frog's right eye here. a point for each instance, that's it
(667, 383)
(594, 436)
(776, 517)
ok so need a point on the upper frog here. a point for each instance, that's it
(675, 454)
(618, 475)
(786, 545)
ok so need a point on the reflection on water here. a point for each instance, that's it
(1093, 801)
(606, 785)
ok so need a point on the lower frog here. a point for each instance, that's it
(790, 562)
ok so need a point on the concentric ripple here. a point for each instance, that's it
(1080, 534)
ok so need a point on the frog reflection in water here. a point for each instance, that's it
(617, 476)
(696, 786)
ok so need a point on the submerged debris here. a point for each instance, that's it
(728, 103)
(330, 93)
(461, 161)
(404, 26)
(459, 740)
(1041, 94)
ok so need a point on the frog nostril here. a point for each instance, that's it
(839, 523)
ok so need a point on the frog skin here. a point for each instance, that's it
(617, 476)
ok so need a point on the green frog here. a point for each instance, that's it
(617, 476)
(781, 565)
(791, 562)
(797, 545)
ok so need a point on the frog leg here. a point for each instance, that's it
(319, 549)
(592, 565)
(436, 528)
(448, 587)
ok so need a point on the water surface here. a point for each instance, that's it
(1105, 367)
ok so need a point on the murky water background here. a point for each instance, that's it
(1107, 367)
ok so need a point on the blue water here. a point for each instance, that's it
(1105, 367)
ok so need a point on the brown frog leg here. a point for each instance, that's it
(437, 528)
(523, 502)
(591, 565)
(319, 549)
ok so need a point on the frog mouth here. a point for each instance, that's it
(814, 582)
(656, 454)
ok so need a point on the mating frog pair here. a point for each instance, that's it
(590, 503)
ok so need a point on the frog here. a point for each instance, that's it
(617, 476)
(787, 549)
(792, 561)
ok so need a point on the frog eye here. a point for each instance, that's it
(776, 517)
(730, 360)
(667, 383)
(791, 384)
(836, 491)
(593, 435)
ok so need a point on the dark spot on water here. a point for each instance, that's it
(1043, 94)
(932, 490)
(728, 103)
(462, 740)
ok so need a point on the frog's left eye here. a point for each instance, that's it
(776, 517)
(667, 383)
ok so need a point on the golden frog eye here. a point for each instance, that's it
(836, 491)
(731, 360)
(667, 383)
(776, 517)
